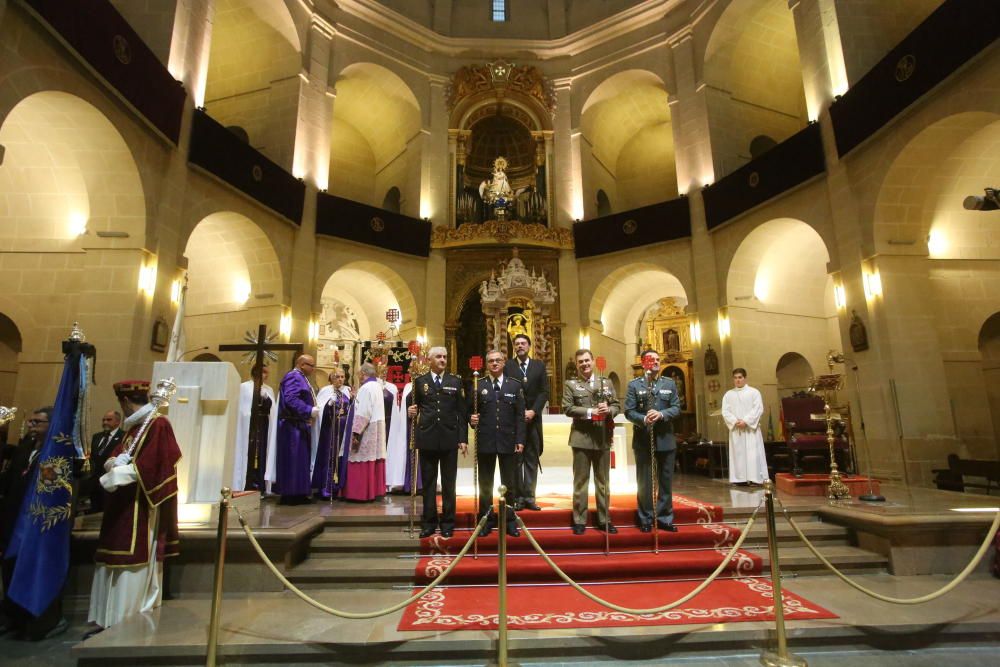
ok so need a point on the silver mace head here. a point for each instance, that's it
(164, 390)
(7, 415)
(76, 333)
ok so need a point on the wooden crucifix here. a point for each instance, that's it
(259, 347)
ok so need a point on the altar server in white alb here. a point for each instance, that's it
(254, 469)
(742, 408)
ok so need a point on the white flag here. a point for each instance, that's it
(176, 349)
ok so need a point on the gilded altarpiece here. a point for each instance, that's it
(668, 331)
(475, 322)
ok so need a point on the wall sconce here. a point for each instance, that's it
(313, 330)
(584, 340)
(241, 291)
(285, 325)
(873, 284)
(937, 243)
(695, 330)
(175, 292)
(147, 279)
(725, 328)
(77, 224)
(839, 297)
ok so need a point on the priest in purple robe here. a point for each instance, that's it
(334, 404)
(296, 412)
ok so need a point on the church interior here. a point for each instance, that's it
(804, 189)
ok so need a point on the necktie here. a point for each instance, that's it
(496, 386)
(437, 382)
(103, 444)
(524, 369)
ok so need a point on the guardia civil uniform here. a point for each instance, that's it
(641, 397)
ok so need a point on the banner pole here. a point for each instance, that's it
(502, 581)
(220, 564)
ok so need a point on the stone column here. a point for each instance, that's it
(689, 119)
(821, 53)
(568, 190)
(435, 175)
(190, 46)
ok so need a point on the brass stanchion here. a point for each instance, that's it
(781, 658)
(220, 565)
(413, 468)
(475, 453)
(502, 581)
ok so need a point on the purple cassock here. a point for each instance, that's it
(331, 435)
(295, 406)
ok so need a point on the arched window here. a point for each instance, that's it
(391, 200)
(760, 145)
(603, 204)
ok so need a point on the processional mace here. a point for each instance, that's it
(602, 394)
(415, 351)
(650, 367)
(476, 363)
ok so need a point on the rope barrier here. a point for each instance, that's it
(654, 610)
(885, 598)
(348, 614)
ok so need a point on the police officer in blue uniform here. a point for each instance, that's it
(438, 403)
(500, 435)
(652, 402)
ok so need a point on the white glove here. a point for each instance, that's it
(315, 413)
(122, 459)
(108, 465)
(119, 476)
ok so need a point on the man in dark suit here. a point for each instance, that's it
(653, 403)
(438, 403)
(101, 445)
(500, 435)
(535, 384)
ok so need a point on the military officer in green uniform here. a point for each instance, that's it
(653, 403)
(592, 403)
(438, 403)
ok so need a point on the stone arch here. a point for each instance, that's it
(231, 265)
(754, 78)
(919, 203)
(623, 297)
(11, 344)
(68, 169)
(369, 289)
(603, 204)
(628, 140)
(989, 350)
(253, 67)
(391, 201)
(374, 143)
(793, 372)
(782, 264)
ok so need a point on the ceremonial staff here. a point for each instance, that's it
(335, 443)
(602, 394)
(160, 398)
(476, 363)
(415, 350)
(650, 368)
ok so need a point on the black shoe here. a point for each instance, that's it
(90, 633)
(513, 531)
(427, 532)
(518, 505)
(610, 529)
(669, 527)
(531, 505)
(485, 532)
(447, 533)
(645, 527)
(60, 627)
(578, 528)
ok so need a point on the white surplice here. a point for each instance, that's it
(395, 464)
(747, 461)
(243, 435)
(369, 422)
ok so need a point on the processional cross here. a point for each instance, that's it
(259, 348)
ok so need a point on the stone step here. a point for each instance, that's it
(343, 539)
(385, 571)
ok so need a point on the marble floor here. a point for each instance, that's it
(962, 628)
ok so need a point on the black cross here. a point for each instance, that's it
(259, 348)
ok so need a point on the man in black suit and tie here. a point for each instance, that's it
(101, 445)
(500, 435)
(535, 384)
(438, 403)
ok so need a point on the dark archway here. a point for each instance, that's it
(10, 350)
(989, 348)
(206, 356)
(603, 204)
(391, 201)
(470, 338)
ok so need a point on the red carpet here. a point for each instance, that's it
(559, 606)
(693, 552)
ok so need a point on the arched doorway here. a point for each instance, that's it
(10, 349)
(470, 337)
(989, 348)
(793, 374)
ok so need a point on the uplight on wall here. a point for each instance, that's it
(285, 325)
(725, 329)
(77, 224)
(241, 290)
(760, 285)
(695, 330)
(839, 297)
(175, 292)
(584, 340)
(873, 284)
(937, 243)
(147, 279)
(313, 330)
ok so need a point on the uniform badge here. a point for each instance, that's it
(427, 387)
(486, 392)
